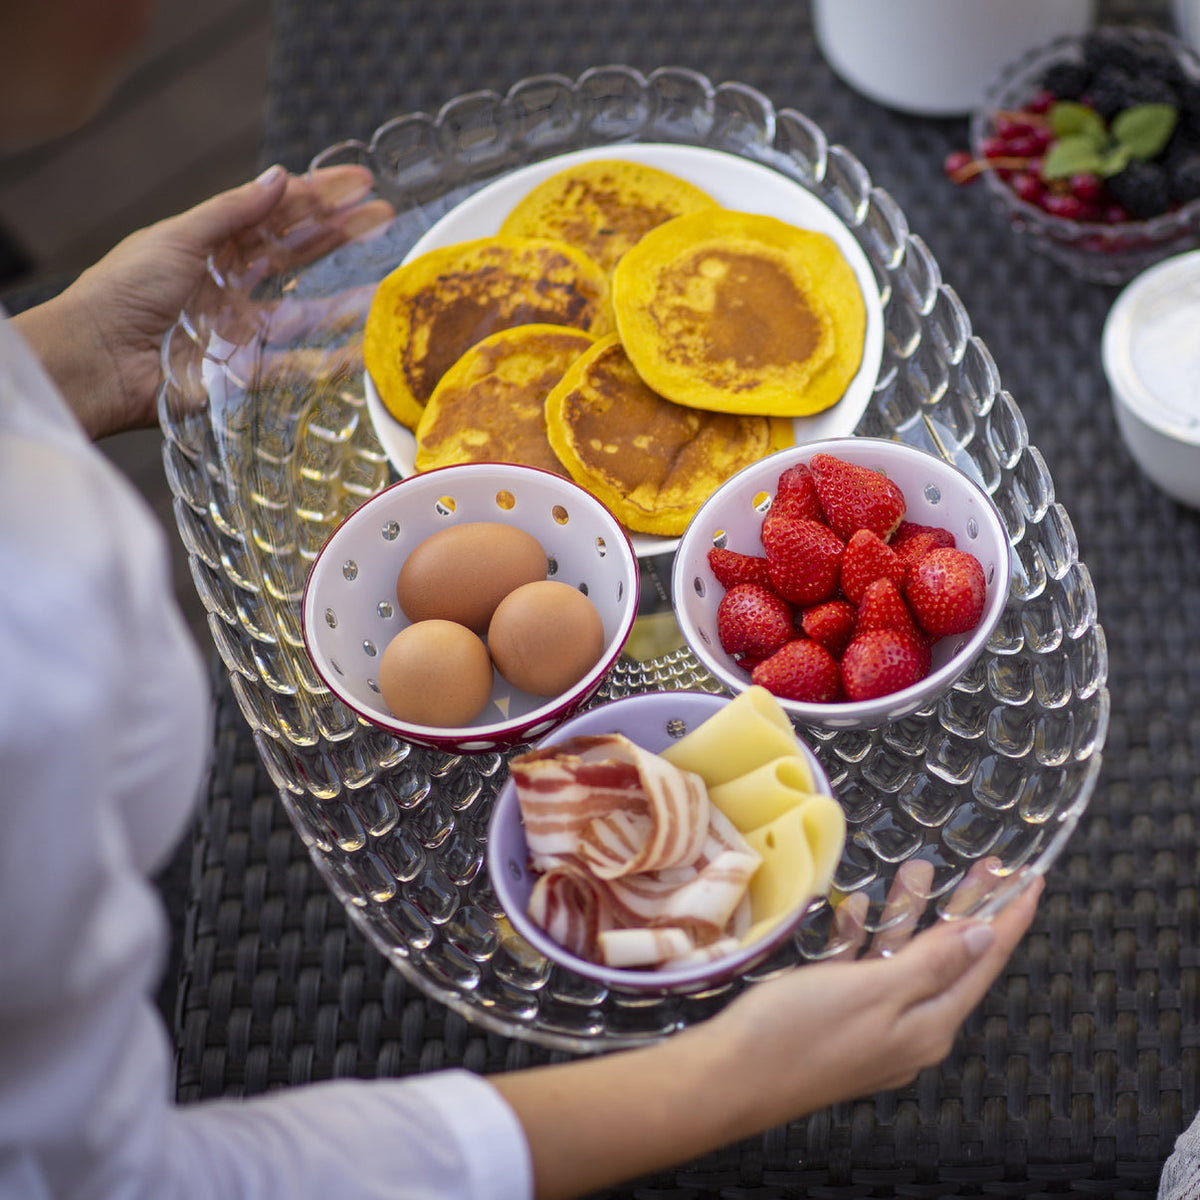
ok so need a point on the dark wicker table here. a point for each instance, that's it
(1083, 1063)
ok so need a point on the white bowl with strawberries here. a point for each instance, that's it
(856, 579)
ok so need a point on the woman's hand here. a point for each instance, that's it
(813, 1037)
(853, 1028)
(101, 338)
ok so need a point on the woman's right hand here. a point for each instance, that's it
(853, 1028)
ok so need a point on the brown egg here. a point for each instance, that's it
(436, 673)
(463, 571)
(545, 637)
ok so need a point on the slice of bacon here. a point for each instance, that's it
(583, 797)
(643, 947)
(637, 868)
(572, 907)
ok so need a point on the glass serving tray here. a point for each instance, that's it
(268, 446)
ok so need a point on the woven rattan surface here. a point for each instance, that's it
(1082, 1065)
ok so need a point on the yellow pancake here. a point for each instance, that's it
(491, 405)
(651, 461)
(428, 312)
(604, 206)
(741, 313)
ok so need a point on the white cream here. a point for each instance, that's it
(1165, 352)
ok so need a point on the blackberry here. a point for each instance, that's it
(1107, 48)
(1110, 90)
(1154, 62)
(1141, 189)
(1183, 179)
(1183, 144)
(1189, 105)
(1148, 89)
(1066, 80)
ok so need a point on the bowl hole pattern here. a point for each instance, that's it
(505, 500)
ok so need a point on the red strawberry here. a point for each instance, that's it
(753, 620)
(882, 661)
(867, 558)
(804, 559)
(912, 542)
(855, 497)
(797, 490)
(830, 623)
(946, 591)
(801, 670)
(907, 530)
(731, 567)
(792, 506)
(883, 607)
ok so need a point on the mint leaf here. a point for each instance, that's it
(1145, 129)
(1114, 161)
(1068, 118)
(1071, 155)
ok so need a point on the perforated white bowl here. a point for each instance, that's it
(350, 611)
(935, 492)
(654, 721)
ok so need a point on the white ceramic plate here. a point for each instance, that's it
(733, 182)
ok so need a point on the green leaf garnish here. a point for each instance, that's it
(1144, 129)
(1071, 156)
(1115, 160)
(1069, 118)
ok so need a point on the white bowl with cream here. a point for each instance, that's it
(1151, 355)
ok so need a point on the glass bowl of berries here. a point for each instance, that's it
(856, 579)
(1091, 147)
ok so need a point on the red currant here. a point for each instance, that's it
(1086, 186)
(1028, 186)
(1041, 102)
(1022, 146)
(1063, 204)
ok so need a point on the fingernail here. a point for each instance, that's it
(978, 938)
(270, 175)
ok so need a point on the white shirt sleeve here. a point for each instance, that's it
(1181, 1173)
(104, 727)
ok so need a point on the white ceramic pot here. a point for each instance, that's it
(1151, 354)
(936, 57)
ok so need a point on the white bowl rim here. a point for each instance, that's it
(668, 981)
(498, 730)
(1125, 384)
(853, 714)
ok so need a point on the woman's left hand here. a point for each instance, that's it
(101, 338)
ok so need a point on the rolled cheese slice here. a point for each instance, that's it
(752, 729)
(761, 795)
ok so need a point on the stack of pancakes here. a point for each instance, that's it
(621, 329)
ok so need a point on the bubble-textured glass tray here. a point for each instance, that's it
(268, 446)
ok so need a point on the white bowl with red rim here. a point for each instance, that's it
(936, 493)
(652, 720)
(350, 612)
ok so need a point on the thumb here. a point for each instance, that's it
(215, 220)
(936, 960)
(957, 961)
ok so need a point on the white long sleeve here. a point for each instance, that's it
(104, 728)
(1181, 1173)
